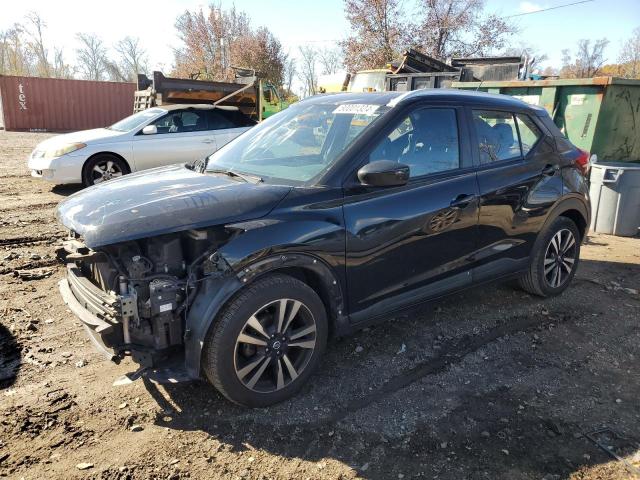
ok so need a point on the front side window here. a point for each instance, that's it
(297, 144)
(182, 121)
(426, 140)
(529, 133)
(497, 136)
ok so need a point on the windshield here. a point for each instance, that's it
(136, 120)
(298, 143)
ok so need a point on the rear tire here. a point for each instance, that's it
(103, 167)
(266, 342)
(554, 260)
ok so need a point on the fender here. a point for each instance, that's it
(253, 253)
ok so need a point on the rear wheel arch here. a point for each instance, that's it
(573, 208)
(577, 218)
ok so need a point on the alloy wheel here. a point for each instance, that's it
(275, 345)
(105, 170)
(560, 258)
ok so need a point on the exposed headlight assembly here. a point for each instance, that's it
(62, 150)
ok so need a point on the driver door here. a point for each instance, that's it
(410, 243)
(183, 136)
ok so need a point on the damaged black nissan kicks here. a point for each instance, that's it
(337, 212)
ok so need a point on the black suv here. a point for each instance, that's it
(332, 214)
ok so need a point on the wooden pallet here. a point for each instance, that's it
(143, 99)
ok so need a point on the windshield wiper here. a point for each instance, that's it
(243, 176)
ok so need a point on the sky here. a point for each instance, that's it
(318, 23)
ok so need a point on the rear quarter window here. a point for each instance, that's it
(530, 133)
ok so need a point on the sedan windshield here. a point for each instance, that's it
(298, 144)
(136, 120)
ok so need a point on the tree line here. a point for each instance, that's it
(215, 40)
(24, 51)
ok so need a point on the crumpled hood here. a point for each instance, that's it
(83, 136)
(163, 200)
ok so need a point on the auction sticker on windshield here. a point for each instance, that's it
(357, 108)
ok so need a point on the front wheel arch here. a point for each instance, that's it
(217, 293)
(87, 162)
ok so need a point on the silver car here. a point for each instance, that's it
(151, 138)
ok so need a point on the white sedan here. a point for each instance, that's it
(151, 138)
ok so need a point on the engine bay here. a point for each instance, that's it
(155, 280)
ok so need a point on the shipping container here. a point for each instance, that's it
(60, 105)
(599, 115)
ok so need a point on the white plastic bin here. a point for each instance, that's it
(615, 198)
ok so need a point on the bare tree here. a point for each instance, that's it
(15, 56)
(629, 58)
(61, 69)
(308, 70)
(588, 60)
(91, 56)
(132, 58)
(534, 56)
(330, 60)
(460, 28)
(36, 44)
(289, 74)
(378, 34)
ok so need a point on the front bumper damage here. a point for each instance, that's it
(96, 309)
(112, 320)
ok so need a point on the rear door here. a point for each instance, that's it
(519, 181)
(183, 136)
(405, 244)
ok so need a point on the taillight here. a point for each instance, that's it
(582, 161)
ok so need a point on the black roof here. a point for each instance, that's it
(439, 94)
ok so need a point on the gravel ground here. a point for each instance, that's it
(489, 384)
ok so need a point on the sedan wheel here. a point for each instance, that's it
(103, 167)
(275, 345)
(105, 170)
(560, 258)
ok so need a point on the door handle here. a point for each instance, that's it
(550, 170)
(207, 141)
(462, 201)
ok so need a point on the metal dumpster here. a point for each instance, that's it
(403, 82)
(600, 115)
(615, 198)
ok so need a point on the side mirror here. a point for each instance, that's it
(384, 173)
(150, 130)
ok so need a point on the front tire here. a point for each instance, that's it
(267, 342)
(103, 167)
(554, 260)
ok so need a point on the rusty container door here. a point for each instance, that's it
(61, 105)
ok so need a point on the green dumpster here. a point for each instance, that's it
(600, 115)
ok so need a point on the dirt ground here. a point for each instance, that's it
(489, 384)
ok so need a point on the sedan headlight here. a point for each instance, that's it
(62, 150)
